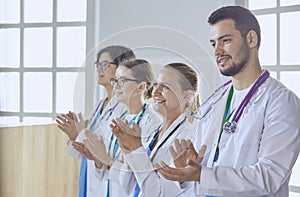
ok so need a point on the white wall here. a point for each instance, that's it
(164, 31)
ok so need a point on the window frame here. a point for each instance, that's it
(278, 67)
(90, 39)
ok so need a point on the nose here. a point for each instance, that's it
(218, 50)
(156, 90)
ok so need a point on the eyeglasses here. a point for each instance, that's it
(121, 81)
(103, 65)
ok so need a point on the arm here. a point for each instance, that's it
(278, 149)
(149, 179)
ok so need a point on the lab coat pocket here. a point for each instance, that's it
(248, 135)
(250, 126)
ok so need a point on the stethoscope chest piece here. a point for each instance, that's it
(229, 127)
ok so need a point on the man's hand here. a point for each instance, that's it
(191, 171)
(182, 152)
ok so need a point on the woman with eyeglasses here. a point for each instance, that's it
(174, 97)
(108, 59)
(132, 86)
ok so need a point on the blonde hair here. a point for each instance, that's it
(189, 81)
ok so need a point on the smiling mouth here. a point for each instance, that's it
(222, 60)
(159, 101)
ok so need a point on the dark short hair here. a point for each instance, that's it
(118, 54)
(243, 18)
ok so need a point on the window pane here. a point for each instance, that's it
(289, 53)
(9, 92)
(69, 10)
(10, 48)
(36, 120)
(37, 92)
(38, 47)
(259, 4)
(291, 80)
(70, 92)
(38, 11)
(289, 2)
(267, 51)
(273, 74)
(9, 11)
(292, 194)
(9, 120)
(70, 46)
(295, 177)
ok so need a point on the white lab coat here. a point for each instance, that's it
(142, 166)
(257, 159)
(101, 128)
(149, 122)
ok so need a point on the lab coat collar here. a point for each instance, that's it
(180, 118)
(260, 91)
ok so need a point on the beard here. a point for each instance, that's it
(239, 65)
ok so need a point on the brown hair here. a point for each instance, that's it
(143, 72)
(118, 54)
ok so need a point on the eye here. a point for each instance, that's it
(122, 81)
(155, 85)
(226, 40)
(164, 87)
(112, 81)
(105, 63)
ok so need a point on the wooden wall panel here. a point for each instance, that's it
(34, 163)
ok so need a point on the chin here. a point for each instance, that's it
(160, 109)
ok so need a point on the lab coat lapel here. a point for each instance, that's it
(260, 91)
(215, 121)
(256, 97)
(166, 134)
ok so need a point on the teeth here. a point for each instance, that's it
(157, 100)
(222, 59)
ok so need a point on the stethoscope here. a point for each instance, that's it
(230, 126)
(215, 97)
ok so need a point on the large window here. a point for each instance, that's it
(42, 49)
(279, 50)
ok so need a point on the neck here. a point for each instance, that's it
(109, 95)
(135, 106)
(247, 76)
(167, 123)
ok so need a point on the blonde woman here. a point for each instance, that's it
(174, 94)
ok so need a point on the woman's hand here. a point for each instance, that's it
(70, 124)
(129, 137)
(96, 146)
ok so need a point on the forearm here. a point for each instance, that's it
(71, 150)
(149, 180)
(121, 173)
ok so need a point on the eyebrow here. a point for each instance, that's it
(221, 37)
(162, 83)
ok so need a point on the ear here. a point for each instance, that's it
(251, 39)
(188, 94)
(142, 86)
